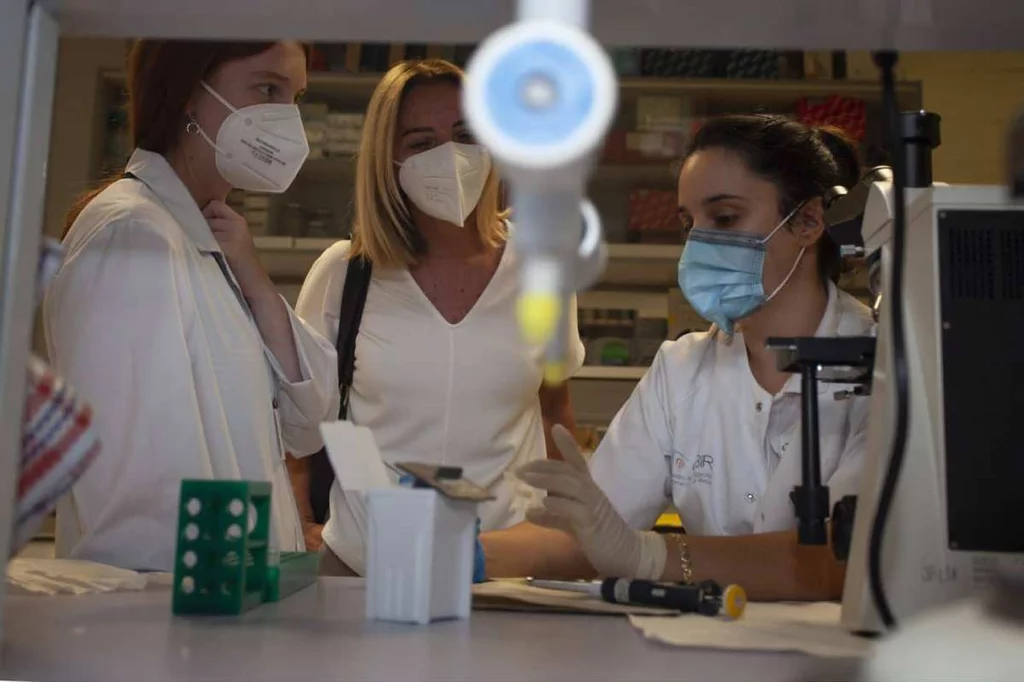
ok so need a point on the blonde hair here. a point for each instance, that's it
(384, 231)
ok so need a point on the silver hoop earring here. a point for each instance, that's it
(192, 128)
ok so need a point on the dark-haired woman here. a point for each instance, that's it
(164, 317)
(714, 426)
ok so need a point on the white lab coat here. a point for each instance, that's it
(143, 320)
(701, 433)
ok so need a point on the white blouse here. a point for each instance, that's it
(464, 394)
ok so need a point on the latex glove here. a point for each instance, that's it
(479, 559)
(575, 504)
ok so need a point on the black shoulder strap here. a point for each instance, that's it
(353, 300)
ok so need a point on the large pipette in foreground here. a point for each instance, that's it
(541, 94)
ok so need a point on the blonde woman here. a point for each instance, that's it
(442, 375)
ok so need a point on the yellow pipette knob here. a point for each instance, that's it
(554, 373)
(734, 601)
(538, 316)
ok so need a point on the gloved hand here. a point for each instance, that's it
(479, 560)
(575, 504)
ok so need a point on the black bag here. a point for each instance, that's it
(353, 298)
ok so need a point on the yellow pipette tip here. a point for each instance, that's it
(554, 373)
(734, 602)
(538, 317)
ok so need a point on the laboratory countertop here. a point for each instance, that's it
(320, 634)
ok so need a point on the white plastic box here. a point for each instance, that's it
(419, 542)
(419, 565)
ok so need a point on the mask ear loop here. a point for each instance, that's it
(789, 216)
(199, 128)
(799, 256)
(217, 96)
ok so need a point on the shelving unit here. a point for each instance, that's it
(639, 276)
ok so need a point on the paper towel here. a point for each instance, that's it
(812, 628)
(69, 576)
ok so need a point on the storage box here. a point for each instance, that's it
(682, 319)
(420, 540)
(256, 201)
(343, 135)
(419, 565)
(655, 145)
(754, 64)
(654, 216)
(313, 112)
(657, 113)
(682, 63)
(342, 119)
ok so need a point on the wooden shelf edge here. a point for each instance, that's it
(338, 80)
(610, 373)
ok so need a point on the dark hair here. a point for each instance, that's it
(802, 162)
(162, 77)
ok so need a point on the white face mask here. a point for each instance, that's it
(260, 148)
(446, 182)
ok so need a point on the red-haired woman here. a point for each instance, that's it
(163, 316)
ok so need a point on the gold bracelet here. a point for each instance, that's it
(685, 562)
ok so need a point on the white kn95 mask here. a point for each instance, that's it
(261, 147)
(446, 182)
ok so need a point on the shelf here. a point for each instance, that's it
(611, 373)
(287, 258)
(632, 264)
(670, 252)
(725, 92)
(329, 168)
(648, 175)
(768, 93)
(723, 24)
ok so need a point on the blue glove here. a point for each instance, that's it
(479, 561)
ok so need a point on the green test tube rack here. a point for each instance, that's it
(223, 561)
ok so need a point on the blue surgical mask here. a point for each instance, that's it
(721, 274)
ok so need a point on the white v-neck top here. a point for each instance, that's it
(463, 394)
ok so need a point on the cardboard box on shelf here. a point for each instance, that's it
(258, 221)
(313, 112)
(445, 52)
(664, 144)
(353, 55)
(818, 65)
(660, 113)
(342, 148)
(335, 135)
(396, 53)
(682, 318)
(345, 119)
(256, 201)
(649, 334)
(653, 217)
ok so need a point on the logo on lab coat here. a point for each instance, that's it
(704, 462)
(697, 472)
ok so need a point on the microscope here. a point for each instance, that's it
(541, 94)
(937, 516)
